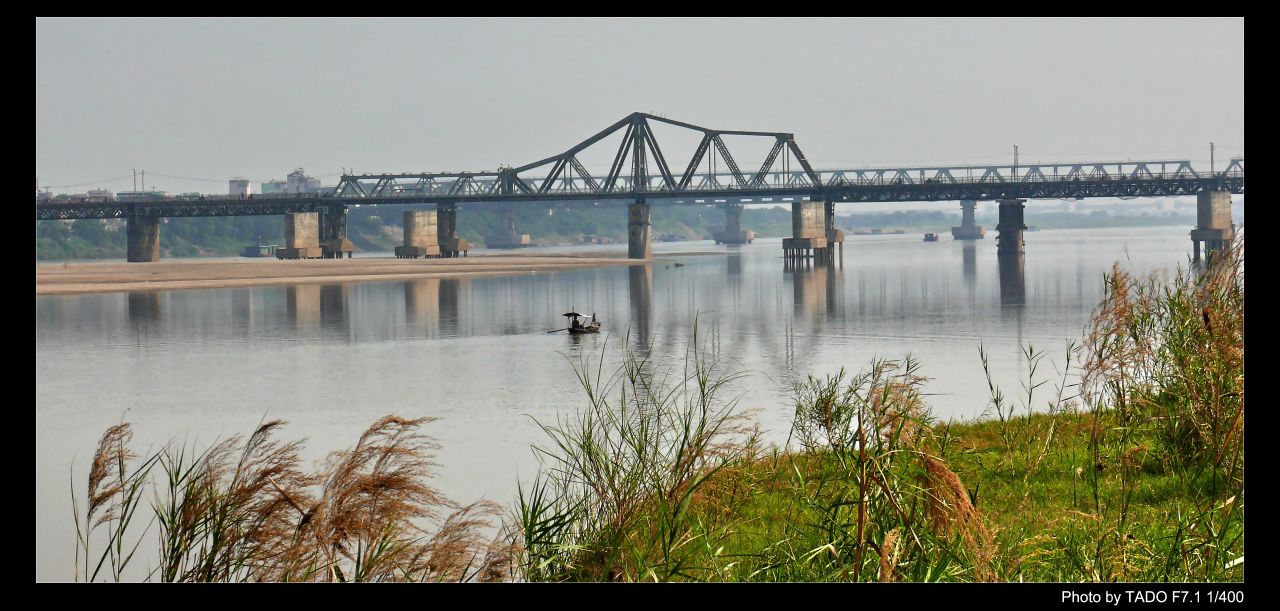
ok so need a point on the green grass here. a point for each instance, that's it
(1138, 478)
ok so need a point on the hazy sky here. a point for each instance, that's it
(216, 98)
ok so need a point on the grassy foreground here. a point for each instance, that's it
(1134, 474)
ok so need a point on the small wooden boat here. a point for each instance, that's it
(580, 326)
(931, 237)
(591, 328)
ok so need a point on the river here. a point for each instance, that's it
(196, 366)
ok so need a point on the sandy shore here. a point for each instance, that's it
(113, 276)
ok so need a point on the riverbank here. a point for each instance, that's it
(107, 277)
(1007, 502)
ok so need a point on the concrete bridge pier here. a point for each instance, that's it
(1009, 233)
(835, 236)
(732, 233)
(506, 235)
(333, 233)
(143, 238)
(420, 238)
(639, 231)
(301, 236)
(1214, 228)
(968, 229)
(808, 231)
(451, 246)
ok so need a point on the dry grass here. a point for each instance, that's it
(246, 510)
(107, 473)
(951, 512)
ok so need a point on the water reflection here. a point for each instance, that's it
(734, 263)
(242, 310)
(818, 292)
(450, 296)
(1013, 286)
(144, 308)
(333, 306)
(640, 296)
(970, 261)
(302, 305)
(422, 304)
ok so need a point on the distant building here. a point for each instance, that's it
(296, 182)
(299, 182)
(239, 187)
(274, 186)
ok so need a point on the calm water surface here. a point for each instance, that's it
(199, 365)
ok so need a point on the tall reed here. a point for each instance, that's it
(882, 502)
(612, 502)
(247, 510)
(1164, 382)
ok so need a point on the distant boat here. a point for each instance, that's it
(931, 237)
(259, 250)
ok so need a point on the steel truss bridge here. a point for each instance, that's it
(640, 171)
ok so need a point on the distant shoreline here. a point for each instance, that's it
(55, 278)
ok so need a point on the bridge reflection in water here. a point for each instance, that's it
(422, 305)
(970, 264)
(302, 305)
(333, 305)
(818, 292)
(451, 295)
(1013, 285)
(640, 299)
(145, 309)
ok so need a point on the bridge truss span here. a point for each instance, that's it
(642, 170)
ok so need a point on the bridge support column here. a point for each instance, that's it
(143, 238)
(639, 231)
(1214, 228)
(732, 233)
(968, 229)
(506, 236)
(451, 246)
(333, 233)
(301, 236)
(420, 238)
(835, 236)
(808, 231)
(1009, 232)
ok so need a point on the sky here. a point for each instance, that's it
(195, 102)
